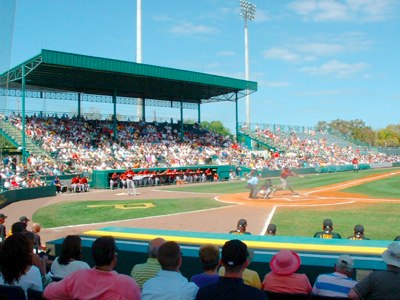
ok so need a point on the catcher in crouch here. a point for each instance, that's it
(266, 189)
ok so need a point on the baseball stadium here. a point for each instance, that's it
(319, 192)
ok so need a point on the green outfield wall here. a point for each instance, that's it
(8, 197)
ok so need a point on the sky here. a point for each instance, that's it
(313, 60)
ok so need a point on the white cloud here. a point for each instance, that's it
(226, 53)
(188, 28)
(347, 10)
(282, 54)
(335, 67)
(318, 49)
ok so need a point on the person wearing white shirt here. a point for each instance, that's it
(69, 260)
(169, 284)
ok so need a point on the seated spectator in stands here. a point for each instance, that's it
(58, 185)
(240, 227)
(231, 286)
(209, 259)
(250, 277)
(37, 243)
(169, 283)
(143, 272)
(7, 184)
(40, 262)
(381, 284)
(114, 181)
(100, 282)
(282, 278)
(327, 233)
(16, 264)
(358, 233)
(70, 259)
(338, 283)
(271, 229)
(24, 219)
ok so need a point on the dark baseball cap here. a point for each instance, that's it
(3, 216)
(242, 223)
(234, 253)
(359, 229)
(23, 219)
(328, 223)
(271, 228)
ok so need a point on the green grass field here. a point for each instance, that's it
(379, 219)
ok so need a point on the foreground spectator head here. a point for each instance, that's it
(153, 246)
(209, 257)
(104, 251)
(18, 227)
(234, 256)
(391, 256)
(285, 262)
(71, 249)
(169, 256)
(344, 264)
(16, 256)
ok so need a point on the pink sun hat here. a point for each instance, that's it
(285, 262)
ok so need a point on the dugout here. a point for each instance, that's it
(101, 178)
(317, 255)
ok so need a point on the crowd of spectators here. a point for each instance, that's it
(89, 144)
(309, 149)
(16, 176)
(78, 145)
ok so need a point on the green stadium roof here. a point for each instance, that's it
(53, 70)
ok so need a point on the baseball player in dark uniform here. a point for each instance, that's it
(327, 233)
(358, 233)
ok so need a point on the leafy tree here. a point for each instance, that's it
(215, 126)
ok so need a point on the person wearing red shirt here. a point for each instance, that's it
(114, 180)
(355, 164)
(84, 184)
(284, 182)
(75, 186)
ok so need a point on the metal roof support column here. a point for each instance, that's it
(181, 121)
(237, 117)
(79, 104)
(198, 113)
(114, 100)
(24, 158)
(144, 109)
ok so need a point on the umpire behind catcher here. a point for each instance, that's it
(252, 185)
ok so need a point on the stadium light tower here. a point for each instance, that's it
(247, 11)
(139, 49)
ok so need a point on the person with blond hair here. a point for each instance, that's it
(209, 259)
